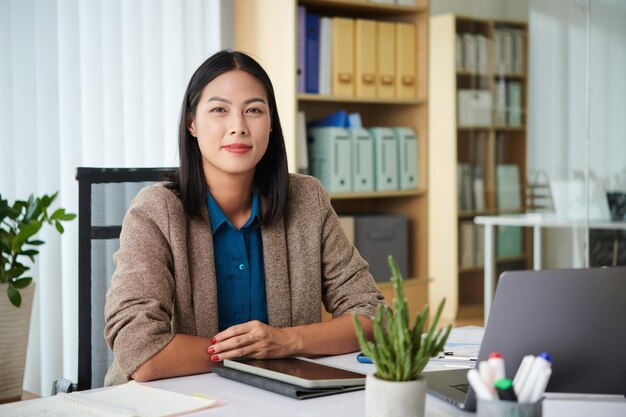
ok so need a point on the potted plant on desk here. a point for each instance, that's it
(399, 353)
(19, 223)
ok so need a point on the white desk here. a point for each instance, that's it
(238, 399)
(536, 221)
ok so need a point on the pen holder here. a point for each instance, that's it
(508, 409)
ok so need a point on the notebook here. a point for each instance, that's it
(576, 315)
(130, 399)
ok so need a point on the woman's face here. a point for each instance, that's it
(232, 125)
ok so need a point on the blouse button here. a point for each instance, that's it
(242, 267)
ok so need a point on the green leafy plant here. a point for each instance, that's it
(398, 351)
(18, 224)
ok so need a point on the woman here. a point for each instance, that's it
(234, 257)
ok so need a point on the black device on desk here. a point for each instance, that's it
(577, 315)
(294, 377)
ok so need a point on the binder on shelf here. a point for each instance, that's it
(471, 53)
(514, 104)
(385, 159)
(498, 53)
(479, 240)
(386, 47)
(329, 158)
(474, 108)
(343, 57)
(465, 189)
(311, 69)
(365, 58)
(509, 242)
(478, 188)
(499, 103)
(325, 61)
(458, 55)
(518, 51)
(408, 147)
(466, 244)
(508, 187)
(482, 61)
(301, 48)
(406, 85)
(302, 157)
(362, 146)
(507, 50)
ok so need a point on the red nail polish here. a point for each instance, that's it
(211, 350)
(214, 340)
(215, 358)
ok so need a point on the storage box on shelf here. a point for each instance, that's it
(477, 160)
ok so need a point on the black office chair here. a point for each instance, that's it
(104, 195)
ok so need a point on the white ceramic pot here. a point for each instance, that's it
(14, 326)
(394, 399)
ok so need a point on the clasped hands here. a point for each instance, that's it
(252, 339)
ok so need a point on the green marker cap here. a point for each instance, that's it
(504, 383)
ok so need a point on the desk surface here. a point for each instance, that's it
(238, 399)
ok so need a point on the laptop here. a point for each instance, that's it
(576, 315)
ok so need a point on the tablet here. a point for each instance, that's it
(298, 371)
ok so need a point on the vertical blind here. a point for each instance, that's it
(89, 83)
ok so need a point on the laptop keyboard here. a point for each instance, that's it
(461, 387)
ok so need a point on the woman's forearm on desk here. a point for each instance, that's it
(332, 337)
(184, 355)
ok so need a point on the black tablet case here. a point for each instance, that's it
(279, 387)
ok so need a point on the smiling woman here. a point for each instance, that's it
(234, 257)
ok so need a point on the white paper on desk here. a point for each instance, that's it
(149, 401)
(465, 341)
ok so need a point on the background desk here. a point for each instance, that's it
(536, 221)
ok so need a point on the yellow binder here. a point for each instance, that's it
(406, 85)
(343, 57)
(386, 47)
(365, 58)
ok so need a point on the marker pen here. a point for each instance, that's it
(497, 363)
(485, 370)
(542, 383)
(504, 387)
(478, 385)
(522, 372)
(541, 362)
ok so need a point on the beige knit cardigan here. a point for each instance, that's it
(164, 282)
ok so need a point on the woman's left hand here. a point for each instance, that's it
(252, 339)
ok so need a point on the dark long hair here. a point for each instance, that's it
(271, 179)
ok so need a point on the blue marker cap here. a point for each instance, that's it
(546, 356)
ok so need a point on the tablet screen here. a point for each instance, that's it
(298, 371)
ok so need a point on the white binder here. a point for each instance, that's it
(385, 159)
(408, 175)
(329, 158)
(362, 145)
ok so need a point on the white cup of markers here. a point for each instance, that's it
(500, 396)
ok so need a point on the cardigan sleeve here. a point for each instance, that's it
(139, 302)
(347, 285)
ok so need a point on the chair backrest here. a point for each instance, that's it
(104, 195)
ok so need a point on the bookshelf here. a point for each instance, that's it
(269, 33)
(462, 140)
